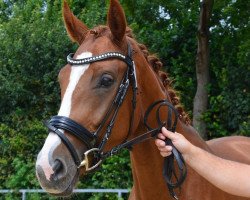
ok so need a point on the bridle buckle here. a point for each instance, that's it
(86, 161)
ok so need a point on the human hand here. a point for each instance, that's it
(178, 140)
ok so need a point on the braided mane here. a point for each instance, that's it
(156, 65)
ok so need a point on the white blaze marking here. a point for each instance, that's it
(53, 140)
(75, 75)
(50, 144)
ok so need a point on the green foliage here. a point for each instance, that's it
(18, 149)
(33, 48)
(115, 172)
(169, 30)
(111, 169)
(230, 70)
(30, 61)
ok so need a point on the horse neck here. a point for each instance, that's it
(147, 164)
(150, 93)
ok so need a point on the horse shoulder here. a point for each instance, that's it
(235, 148)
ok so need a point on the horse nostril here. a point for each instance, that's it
(57, 166)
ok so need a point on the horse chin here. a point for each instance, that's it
(67, 192)
(61, 188)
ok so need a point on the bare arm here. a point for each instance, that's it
(230, 176)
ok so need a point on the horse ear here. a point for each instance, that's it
(75, 28)
(117, 20)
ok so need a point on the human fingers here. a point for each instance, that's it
(161, 136)
(165, 148)
(178, 140)
(168, 134)
(160, 143)
(165, 154)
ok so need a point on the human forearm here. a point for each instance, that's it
(227, 175)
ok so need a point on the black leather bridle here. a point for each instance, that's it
(58, 124)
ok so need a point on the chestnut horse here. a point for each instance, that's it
(90, 84)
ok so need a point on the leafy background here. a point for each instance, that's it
(33, 48)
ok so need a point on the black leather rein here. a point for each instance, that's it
(59, 124)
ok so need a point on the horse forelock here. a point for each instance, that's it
(156, 65)
(100, 31)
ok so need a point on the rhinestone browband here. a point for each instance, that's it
(104, 56)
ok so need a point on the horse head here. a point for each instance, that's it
(94, 91)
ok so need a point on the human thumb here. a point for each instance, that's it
(168, 133)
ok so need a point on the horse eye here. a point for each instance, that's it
(106, 81)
